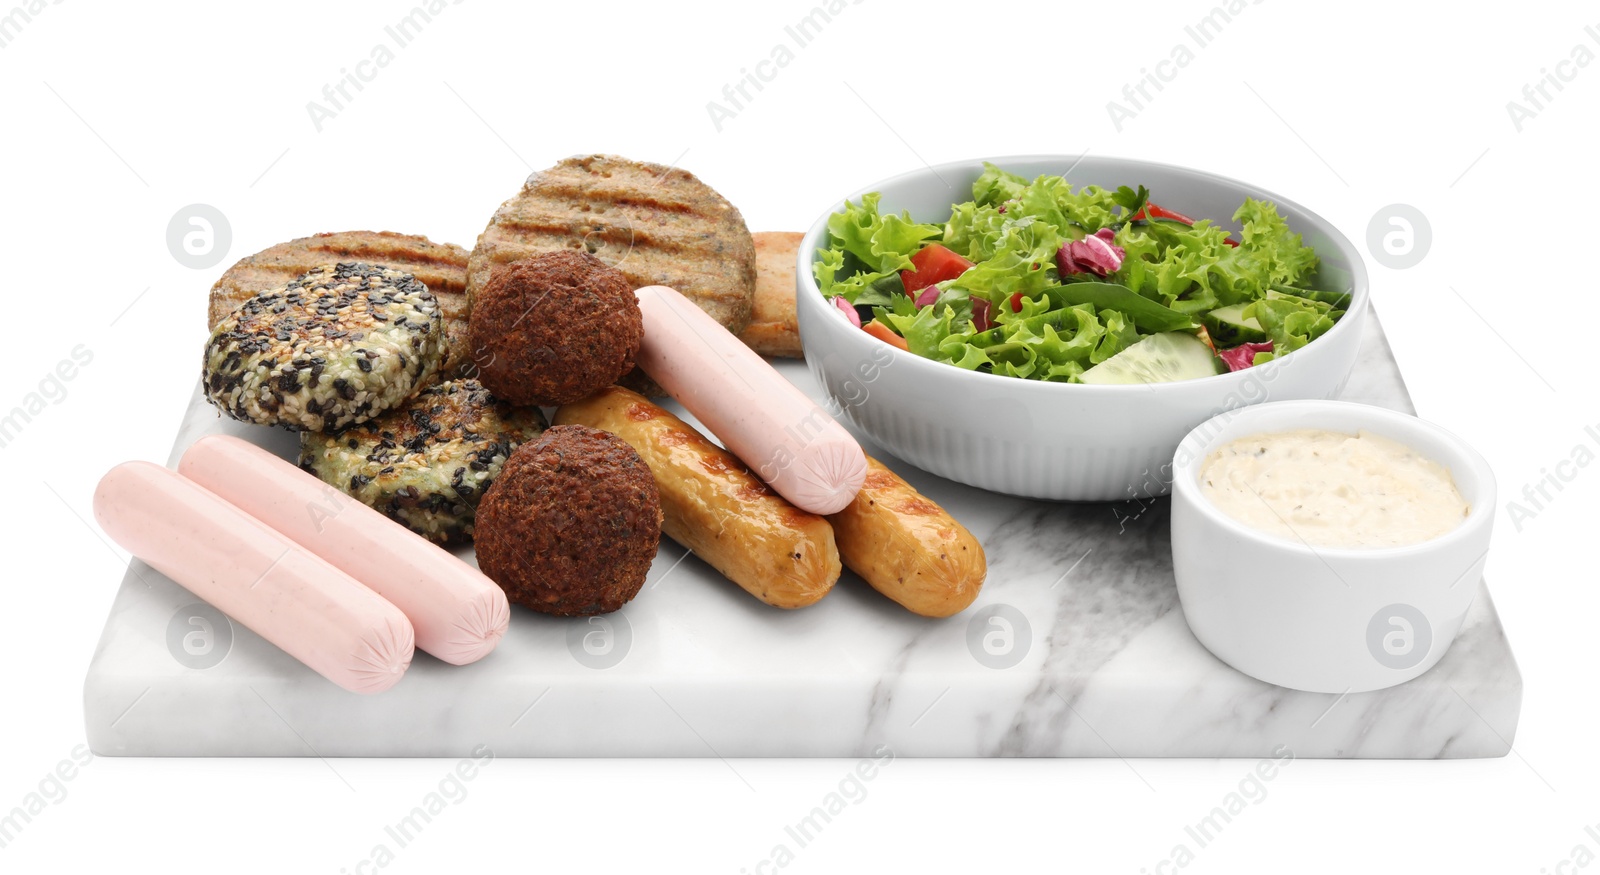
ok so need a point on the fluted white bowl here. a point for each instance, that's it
(1055, 440)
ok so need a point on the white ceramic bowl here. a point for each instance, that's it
(1324, 619)
(1055, 440)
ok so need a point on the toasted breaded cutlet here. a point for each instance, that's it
(774, 329)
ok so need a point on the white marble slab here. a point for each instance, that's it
(696, 667)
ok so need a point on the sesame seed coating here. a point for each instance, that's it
(427, 463)
(336, 347)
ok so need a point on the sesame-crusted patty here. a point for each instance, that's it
(427, 463)
(334, 348)
(442, 267)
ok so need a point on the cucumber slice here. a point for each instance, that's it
(1159, 358)
(1230, 327)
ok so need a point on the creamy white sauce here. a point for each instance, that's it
(1329, 489)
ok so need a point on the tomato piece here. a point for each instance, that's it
(1016, 302)
(886, 334)
(932, 264)
(1156, 211)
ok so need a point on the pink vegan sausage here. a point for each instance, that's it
(458, 613)
(784, 436)
(279, 590)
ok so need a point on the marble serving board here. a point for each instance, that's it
(1076, 647)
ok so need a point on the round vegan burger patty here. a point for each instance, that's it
(554, 328)
(427, 464)
(334, 348)
(571, 525)
(442, 267)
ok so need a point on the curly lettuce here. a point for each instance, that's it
(882, 243)
(1273, 251)
(1045, 213)
(1193, 268)
(866, 247)
(1038, 324)
(1041, 341)
(995, 186)
(1290, 321)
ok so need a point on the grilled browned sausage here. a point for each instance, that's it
(715, 506)
(908, 547)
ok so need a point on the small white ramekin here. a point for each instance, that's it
(1325, 619)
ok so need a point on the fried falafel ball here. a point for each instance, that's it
(572, 523)
(554, 328)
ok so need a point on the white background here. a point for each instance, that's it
(116, 115)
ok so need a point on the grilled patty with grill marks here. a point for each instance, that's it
(442, 267)
(657, 225)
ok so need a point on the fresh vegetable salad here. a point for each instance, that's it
(1040, 281)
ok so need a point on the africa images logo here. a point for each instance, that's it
(1399, 637)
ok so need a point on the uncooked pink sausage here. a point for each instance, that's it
(286, 594)
(785, 437)
(458, 613)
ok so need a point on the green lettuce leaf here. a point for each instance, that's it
(1291, 322)
(1053, 199)
(1179, 266)
(857, 288)
(924, 330)
(1274, 252)
(995, 186)
(1194, 270)
(979, 232)
(1017, 268)
(967, 221)
(1056, 344)
(881, 243)
(1120, 334)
